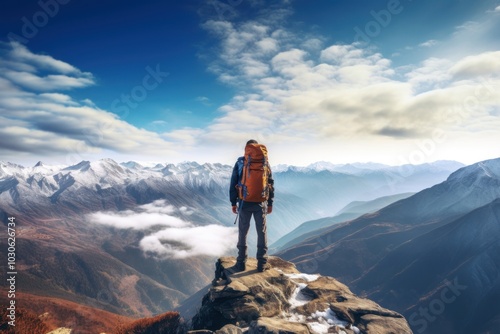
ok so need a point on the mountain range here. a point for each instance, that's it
(350, 211)
(303, 193)
(433, 256)
(132, 238)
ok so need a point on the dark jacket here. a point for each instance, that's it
(233, 192)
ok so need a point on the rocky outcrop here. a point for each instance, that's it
(283, 300)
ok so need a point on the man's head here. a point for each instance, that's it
(252, 141)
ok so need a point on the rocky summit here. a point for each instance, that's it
(283, 300)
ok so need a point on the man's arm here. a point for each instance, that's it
(233, 192)
(270, 180)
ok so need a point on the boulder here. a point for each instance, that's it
(283, 300)
(229, 329)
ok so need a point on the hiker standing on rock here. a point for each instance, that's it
(252, 189)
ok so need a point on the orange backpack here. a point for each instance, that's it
(253, 185)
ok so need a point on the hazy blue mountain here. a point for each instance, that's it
(453, 269)
(349, 212)
(362, 207)
(410, 254)
(327, 190)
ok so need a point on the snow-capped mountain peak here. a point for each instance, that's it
(9, 169)
(484, 169)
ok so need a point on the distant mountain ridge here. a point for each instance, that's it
(309, 193)
(442, 241)
(9, 168)
(362, 167)
(351, 211)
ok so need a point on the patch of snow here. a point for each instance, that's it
(321, 322)
(327, 319)
(295, 317)
(305, 277)
(298, 298)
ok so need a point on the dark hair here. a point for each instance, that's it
(252, 141)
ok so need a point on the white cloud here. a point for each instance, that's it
(176, 238)
(484, 64)
(159, 122)
(39, 120)
(17, 137)
(187, 136)
(89, 102)
(60, 98)
(344, 92)
(432, 72)
(268, 45)
(204, 100)
(470, 38)
(294, 92)
(336, 54)
(210, 240)
(20, 53)
(429, 43)
(313, 44)
(22, 67)
(46, 83)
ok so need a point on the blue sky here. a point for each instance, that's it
(394, 81)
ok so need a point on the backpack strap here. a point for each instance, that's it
(240, 162)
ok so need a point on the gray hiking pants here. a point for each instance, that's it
(257, 211)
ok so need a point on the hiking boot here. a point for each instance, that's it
(263, 267)
(240, 266)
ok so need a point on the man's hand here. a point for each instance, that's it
(235, 209)
(269, 210)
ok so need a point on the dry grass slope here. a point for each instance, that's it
(26, 323)
(166, 323)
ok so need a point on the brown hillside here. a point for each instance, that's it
(42, 314)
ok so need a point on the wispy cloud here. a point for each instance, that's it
(294, 90)
(39, 120)
(21, 54)
(429, 43)
(167, 235)
(23, 68)
(159, 123)
(482, 65)
(495, 10)
(348, 90)
(46, 83)
(204, 100)
(289, 93)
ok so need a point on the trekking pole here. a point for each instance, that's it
(264, 210)
(240, 204)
